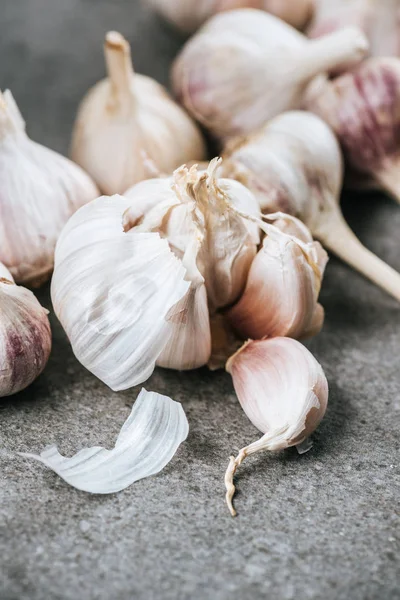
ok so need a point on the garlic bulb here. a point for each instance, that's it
(281, 295)
(135, 278)
(378, 20)
(188, 15)
(246, 66)
(362, 109)
(25, 336)
(283, 391)
(126, 117)
(293, 164)
(40, 190)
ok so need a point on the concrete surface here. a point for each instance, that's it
(322, 525)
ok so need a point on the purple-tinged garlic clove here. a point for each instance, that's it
(25, 336)
(281, 294)
(246, 66)
(294, 164)
(363, 109)
(283, 391)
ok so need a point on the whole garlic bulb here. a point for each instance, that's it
(378, 20)
(127, 117)
(281, 295)
(40, 190)
(283, 391)
(362, 108)
(294, 164)
(188, 15)
(246, 66)
(135, 277)
(25, 336)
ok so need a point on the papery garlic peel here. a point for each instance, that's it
(188, 15)
(283, 391)
(25, 336)
(294, 164)
(281, 295)
(127, 117)
(40, 190)
(246, 66)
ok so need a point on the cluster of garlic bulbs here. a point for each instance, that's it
(188, 15)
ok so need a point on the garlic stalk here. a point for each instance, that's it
(188, 15)
(294, 164)
(40, 190)
(147, 442)
(283, 391)
(281, 295)
(362, 109)
(246, 66)
(25, 336)
(127, 119)
(378, 20)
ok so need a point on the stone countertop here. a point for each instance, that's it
(321, 525)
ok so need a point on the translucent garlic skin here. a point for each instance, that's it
(126, 117)
(245, 66)
(281, 388)
(40, 190)
(281, 295)
(188, 15)
(362, 108)
(25, 336)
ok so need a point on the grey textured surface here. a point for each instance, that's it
(322, 525)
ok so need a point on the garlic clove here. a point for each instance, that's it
(147, 442)
(294, 164)
(127, 117)
(112, 292)
(362, 108)
(246, 66)
(283, 391)
(25, 336)
(40, 191)
(188, 15)
(281, 295)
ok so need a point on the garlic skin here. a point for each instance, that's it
(283, 391)
(126, 120)
(294, 165)
(189, 15)
(40, 190)
(362, 107)
(378, 20)
(281, 295)
(245, 66)
(25, 336)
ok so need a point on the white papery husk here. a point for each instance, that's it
(40, 190)
(25, 336)
(146, 443)
(283, 391)
(112, 292)
(281, 294)
(125, 115)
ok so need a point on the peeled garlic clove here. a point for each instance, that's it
(112, 292)
(25, 336)
(362, 109)
(281, 294)
(294, 164)
(283, 391)
(40, 190)
(188, 15)
(148, 440)
(125, 115)
(245, 66)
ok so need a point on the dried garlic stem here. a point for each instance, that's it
(389, 179)
(340, 240)
(119, 62)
